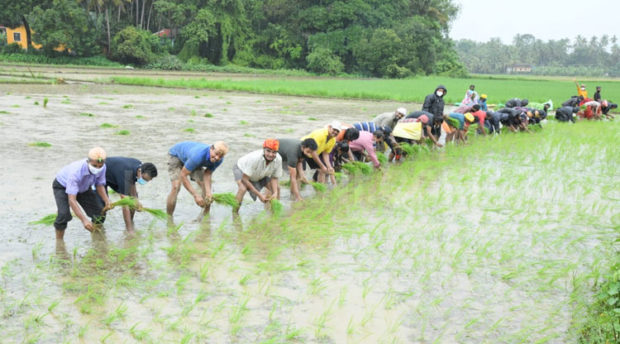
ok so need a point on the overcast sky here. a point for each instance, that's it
(480, 20)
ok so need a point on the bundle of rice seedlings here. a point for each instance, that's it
(226, 198)
(338, 176)
(276, 207)
(160, 214)
(452, 121)
(407, 148)
(285, 182)
(125, 202)
(356, 167)
(47, 220)
(319, 187)
(382, 158)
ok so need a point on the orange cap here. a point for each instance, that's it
(272, 144)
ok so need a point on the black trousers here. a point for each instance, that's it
(89, 201)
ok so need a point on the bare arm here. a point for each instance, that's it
(248, 184)
(318, 161)
(185, 181)
(330, 169)
(294, 185)
(207, 186)
(73, 204)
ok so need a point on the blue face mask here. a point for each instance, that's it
(141, 181)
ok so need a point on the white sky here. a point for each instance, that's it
(480, 20)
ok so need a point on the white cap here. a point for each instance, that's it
(402, 110)
(336, 125)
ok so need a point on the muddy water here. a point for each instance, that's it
(406, 258)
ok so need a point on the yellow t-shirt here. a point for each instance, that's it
(583, 93)
(320, 136)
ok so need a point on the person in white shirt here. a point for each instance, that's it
(257, 170)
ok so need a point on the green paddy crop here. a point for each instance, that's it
(510, 238)
(498, 88)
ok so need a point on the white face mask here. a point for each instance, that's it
(93, 169)
(439, 93)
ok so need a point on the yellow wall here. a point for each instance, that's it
(23, 42)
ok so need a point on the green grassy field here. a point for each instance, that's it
(498, 88)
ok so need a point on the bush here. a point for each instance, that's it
(12, 48)
(135, 46)
(323, 61)
(167, 62)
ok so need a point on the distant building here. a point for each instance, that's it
(519, 68)
(18, 36)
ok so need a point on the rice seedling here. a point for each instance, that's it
(36, 103)
(357, 167)
(208, 115)
(47, 220)
(226, 198)
(128, 106)
(382, 158)
(4, 112)
(312, 119)
(276, 207)
(189, 130)
(123, 132)
(86, 114)
(319, 187)
(15, 106)
(108, 125)
(66, 101)
(158, 213)
(242, 122)
(140, 117)
(40, 144)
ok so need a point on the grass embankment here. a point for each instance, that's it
(69, 61)
(406, 90)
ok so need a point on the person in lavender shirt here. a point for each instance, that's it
(73, 187)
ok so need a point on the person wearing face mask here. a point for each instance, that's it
(581, 89)
(434, 102)
(73, 190)
(197, 161)
(122, 174)
(257, 170)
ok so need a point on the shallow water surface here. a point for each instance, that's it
(500, 241)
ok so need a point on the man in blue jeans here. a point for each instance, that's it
(75, 186)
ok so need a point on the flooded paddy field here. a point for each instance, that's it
(499, 241)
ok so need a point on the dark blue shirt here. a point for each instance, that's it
(121, 173)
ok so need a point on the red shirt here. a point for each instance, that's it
(481, 116)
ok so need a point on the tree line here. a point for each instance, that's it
(597, 56)
(378, 38)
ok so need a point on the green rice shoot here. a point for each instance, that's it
(382, 158)
(276, 207)
(226, 198)
(126, 202)
(47, 220)
(40, 144)
(357, 167)
(158, 213)
(319, 187)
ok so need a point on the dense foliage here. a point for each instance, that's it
(598, 56)
(369, 37)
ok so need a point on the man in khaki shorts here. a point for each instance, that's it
(257, 170)
(197, 160)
